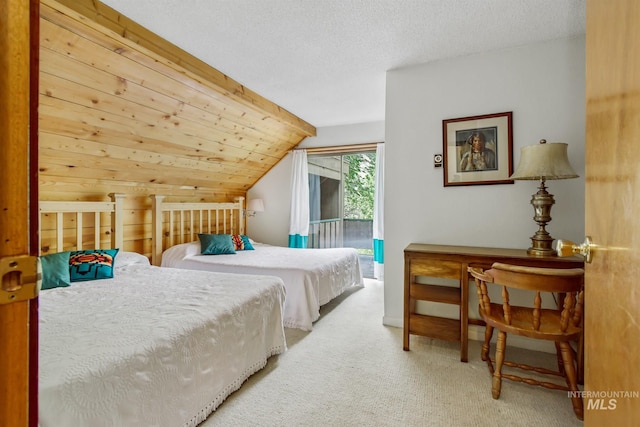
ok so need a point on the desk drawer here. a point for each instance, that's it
(435, 268)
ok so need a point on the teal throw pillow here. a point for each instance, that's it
(55, 270)
(92, 264)
(216, 244)
(247, 243)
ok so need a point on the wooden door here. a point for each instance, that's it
(18, 80)
(612, 306)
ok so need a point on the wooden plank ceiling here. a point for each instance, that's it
(122, 110)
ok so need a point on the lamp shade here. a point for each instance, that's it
(255, 205)
(544, 161)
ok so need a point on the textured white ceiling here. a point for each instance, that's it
(325, 60)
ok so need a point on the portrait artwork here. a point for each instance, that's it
(478, 150)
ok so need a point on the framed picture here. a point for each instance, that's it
(478, 150)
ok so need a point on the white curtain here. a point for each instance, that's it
(378, 216)
(299, 217)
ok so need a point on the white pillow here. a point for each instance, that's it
(191, 249)
(179, 252)
(131, 258)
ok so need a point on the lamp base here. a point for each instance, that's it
(541, 250)
(541, 244)
(541, 241)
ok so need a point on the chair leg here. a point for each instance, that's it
(488, 334)
(571, 377)
(559, 357)
(497, 374)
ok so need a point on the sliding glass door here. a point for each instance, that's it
(341, 193)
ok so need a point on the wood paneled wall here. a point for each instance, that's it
(124, 111)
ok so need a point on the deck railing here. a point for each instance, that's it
(325, 233)
(338, 233)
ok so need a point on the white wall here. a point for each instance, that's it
(272, 225)
(544, 86)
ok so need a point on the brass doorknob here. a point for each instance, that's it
(568, 248)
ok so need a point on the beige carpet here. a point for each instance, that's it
(351, 371)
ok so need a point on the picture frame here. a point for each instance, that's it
(478, 150)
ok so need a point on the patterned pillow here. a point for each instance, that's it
(216, 244)
(55, 270)
(92, 264)
(241, 242)
(238, 243)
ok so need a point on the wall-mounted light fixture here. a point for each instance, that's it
(255, 205)
(542, 162)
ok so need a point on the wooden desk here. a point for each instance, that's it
(451, 262)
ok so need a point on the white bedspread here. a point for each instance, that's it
(153, 346)
(312, 277)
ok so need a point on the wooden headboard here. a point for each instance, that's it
(175, 223)
(60, 234)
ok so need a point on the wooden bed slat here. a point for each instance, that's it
(96, 234)
(59, 230)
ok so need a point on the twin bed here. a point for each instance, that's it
(153, 346)
(166, 346)
(312, 277)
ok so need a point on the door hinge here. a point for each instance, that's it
(21, 277)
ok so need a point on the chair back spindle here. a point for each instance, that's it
(537, 304)
(505, 305)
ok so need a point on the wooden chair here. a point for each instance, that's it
(560, 325)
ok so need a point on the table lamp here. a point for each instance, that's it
(543, 162)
